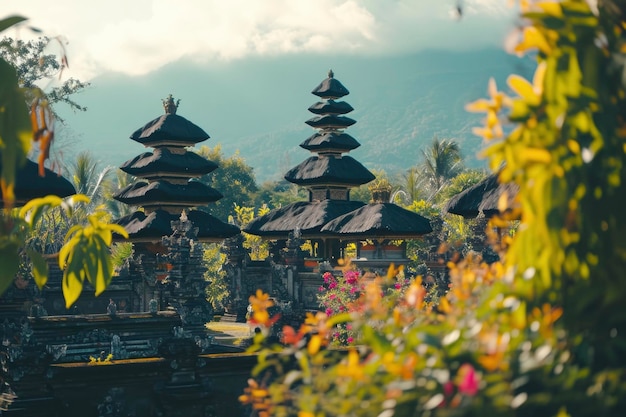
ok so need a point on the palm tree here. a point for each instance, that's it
(442, 161)
(110, 186)
(86, 175)
(411, 185)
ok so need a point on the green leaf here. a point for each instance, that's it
(10, 21)
(40, 268)
(9, 264)
(34, 209)
(105, 267)
(73, 278)
(15, 129)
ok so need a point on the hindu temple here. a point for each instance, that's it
(141, 348)
(329, 219)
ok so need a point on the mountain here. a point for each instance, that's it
(258, 106)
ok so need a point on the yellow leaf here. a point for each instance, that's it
(478, 106)
(551, 8)
(535, 155)
(533, 39)
(72, 287)
(314, 344)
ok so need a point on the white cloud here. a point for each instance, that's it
(136, 37)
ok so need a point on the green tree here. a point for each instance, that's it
(279, 193)
(234, 179)
(442, 161)
(88, 177)
(110, 185)
(34, 66)
(459, 183)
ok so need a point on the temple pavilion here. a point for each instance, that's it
(329, 175)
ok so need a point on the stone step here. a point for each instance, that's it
(229, 318)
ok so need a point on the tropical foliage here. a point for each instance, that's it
(84, 255)
(539, 332)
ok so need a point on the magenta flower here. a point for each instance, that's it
(333, 296)
(350, 339)
(332, 285)
(351, 277)
(469, 380)
(329, 311)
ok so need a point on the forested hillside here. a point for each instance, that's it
(259, 106)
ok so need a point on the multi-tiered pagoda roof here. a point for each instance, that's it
(328, 175)
(168, 183)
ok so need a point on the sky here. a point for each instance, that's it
(140, 36)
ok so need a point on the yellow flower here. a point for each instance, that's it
(351, 367)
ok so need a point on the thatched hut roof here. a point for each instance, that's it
(336, 141)
(162, 163)
(155, 193)
(482, 197)
(29, 185)
(379, 220)
(330, 121)
(169, 130)
(329, 170)
(142, 227)
(330, 107)
(330, 88)
(308, 217)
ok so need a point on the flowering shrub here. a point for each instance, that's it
(339, 294)
(540, 332)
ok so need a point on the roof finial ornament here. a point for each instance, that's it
(331, 74)
(170, 105)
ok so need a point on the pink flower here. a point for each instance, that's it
(343, 289)
(469, 380)
(329, 311)
(327, 277)
(352, 290)
(350, 339)
(349, 326)
(321, 289)
(332, 285)
(398, 286)
(351, 276)
(333, 296)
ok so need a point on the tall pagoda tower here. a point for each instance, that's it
(165, 234)
(167, 183)
(328, 174)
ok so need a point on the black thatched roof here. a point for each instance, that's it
(151, 227)
(330, 140)
(379, 220)
(331, 107)
(330, 121)
(309, 217)
(164, 163)
(330, 170)
(143, 193)
(330, 88)
(29, 185)
(169, 129)
(482, 197)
